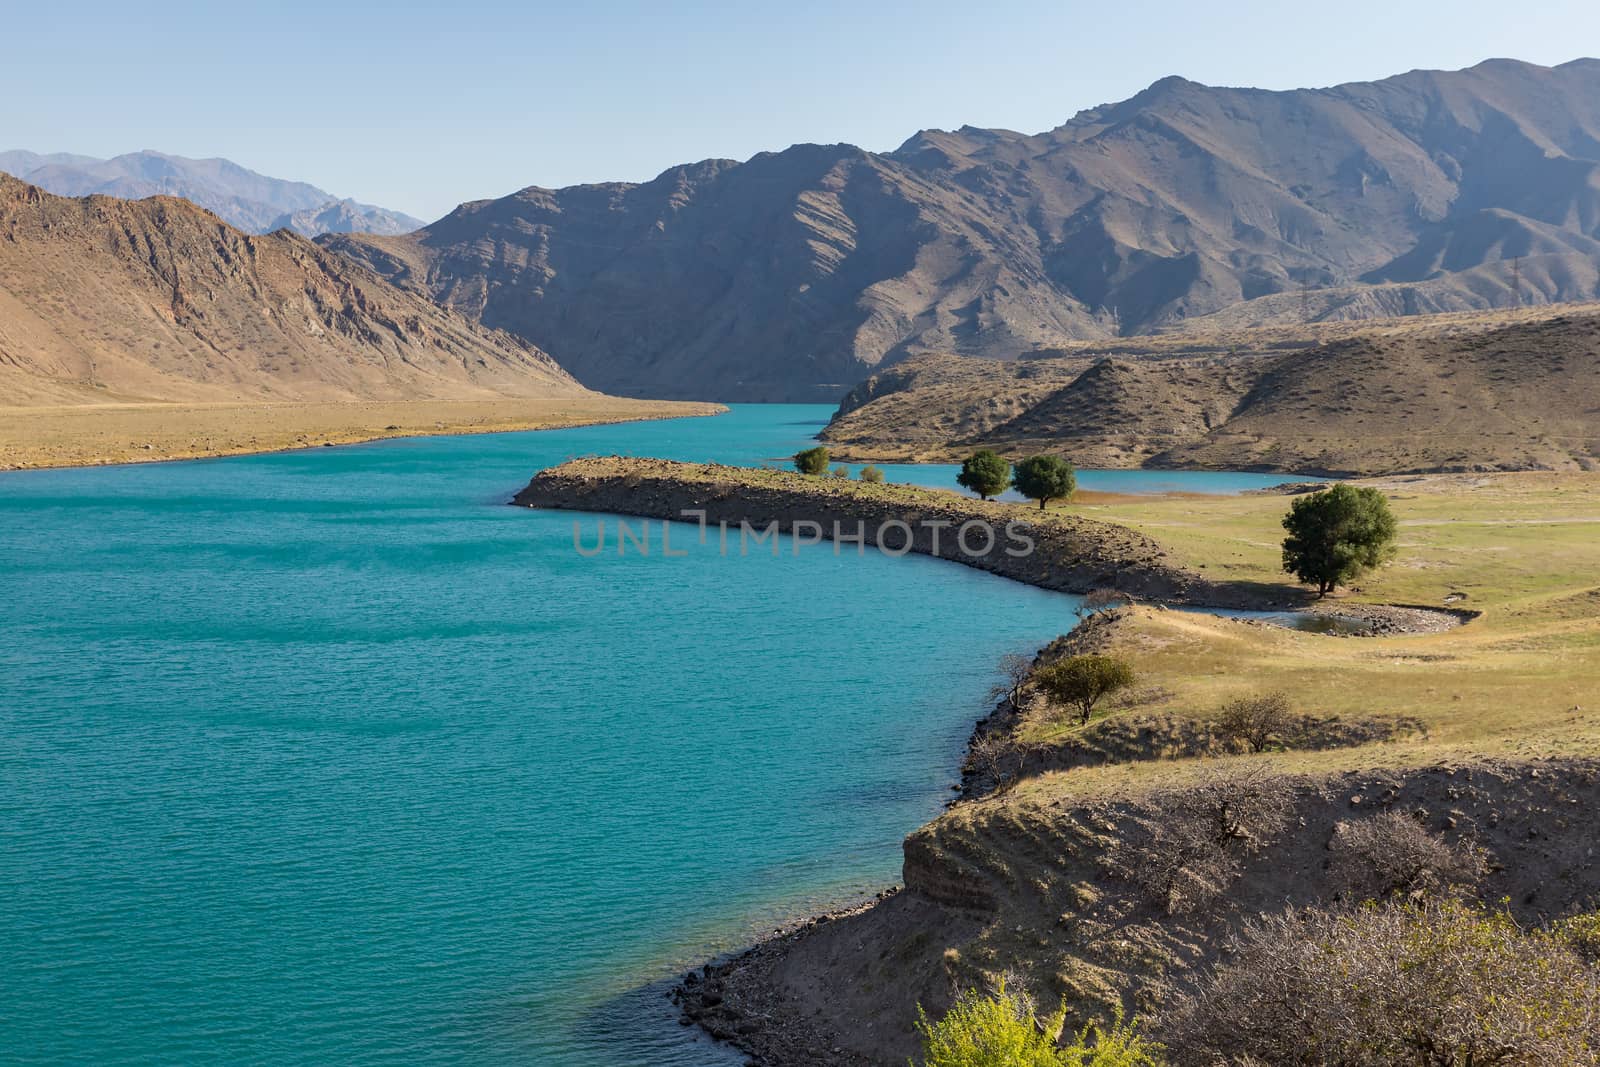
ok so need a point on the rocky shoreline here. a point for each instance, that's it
(1069, 554)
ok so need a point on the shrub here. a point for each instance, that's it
(1336, 535)
(989, 1031)
(841, 471)
(1098, 600)
(1393, 854)
(812, 460)
(985, 473)
(1082, 681)
(1003, 1031)
(1582, 932)
(1045, 478)
(872, 474)
(1255, 721)
(1199, 836)
(1437, 985)
(1118, 1046)
(994, 758)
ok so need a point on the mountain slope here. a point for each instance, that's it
(796, 273)
(243, 198)
(1449, 393)
(156, 299)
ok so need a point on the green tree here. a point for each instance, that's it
(812, 461)
(871, 474)
(1336, 535)
(1045, 478)
(985, 473)
(1082, 681)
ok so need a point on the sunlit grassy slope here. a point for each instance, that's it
(1520, 681)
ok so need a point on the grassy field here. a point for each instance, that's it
(1520, 681)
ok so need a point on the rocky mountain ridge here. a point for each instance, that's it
(250, 201)
(793, 275)
(105, 300)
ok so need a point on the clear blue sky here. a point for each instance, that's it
(418, 106)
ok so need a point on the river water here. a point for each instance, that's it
(330, 757)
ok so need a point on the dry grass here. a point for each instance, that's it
(78, 436)
(1520, 681)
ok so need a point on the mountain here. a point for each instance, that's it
(243, 198)
(797, 273)
(1508, 391)
(108, 299)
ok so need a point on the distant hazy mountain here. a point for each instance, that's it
(795, 274)
(241, 197)
(156, 299)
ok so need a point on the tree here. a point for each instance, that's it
(1096, 601)
(812, 461)
(1337, 534)
(871, 474)
(1082, 681)
(1255, 720)
(1045, 478)
(842, 472)
(985, 473)
(1015, 670)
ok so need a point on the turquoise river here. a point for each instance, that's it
(330, 757)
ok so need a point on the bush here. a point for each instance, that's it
(989, 1031)
(1255, 721)
(812, 461)
(1097, 600)
(1120, 1046)
(1003, 1031)
(1199, 836)
(842, 472)
(1393, 854)
(1045, 478)
(985, 473)
(1582, 932)
(1438, 985)
(1336, 535)
(1082, 681)
(871, 474)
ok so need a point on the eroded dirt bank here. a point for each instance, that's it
(1038, 887)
